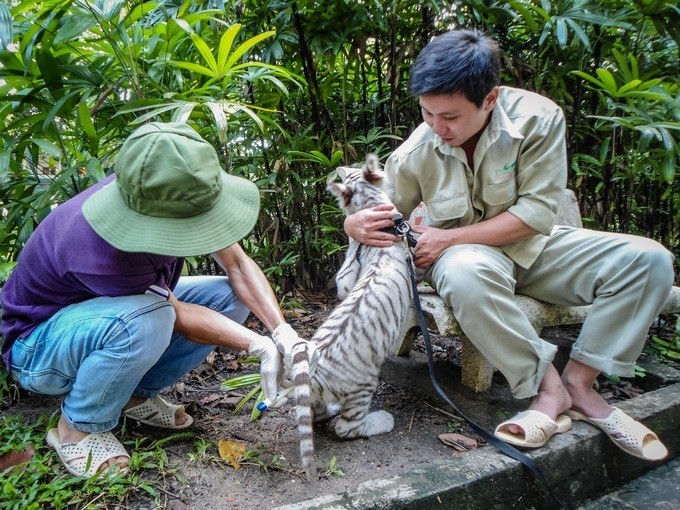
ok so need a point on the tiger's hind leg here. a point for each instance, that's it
(325, 403)
(324, 412)
(355, 420)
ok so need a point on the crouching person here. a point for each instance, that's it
(96, 309)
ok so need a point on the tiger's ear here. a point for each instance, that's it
(372, 170)
(336, 188)
(341, 192)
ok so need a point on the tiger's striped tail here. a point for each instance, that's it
(303, 408)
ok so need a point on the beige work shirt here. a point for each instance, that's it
(520, 166)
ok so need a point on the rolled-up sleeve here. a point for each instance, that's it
(542, 174)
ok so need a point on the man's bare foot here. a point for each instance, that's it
(552, 399)
(67, 434)
(180, 417)
(579, 380)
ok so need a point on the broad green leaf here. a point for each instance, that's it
(526, 15)
(49, 147)
(86, 121)
(181, 23)
(6, 269)
(628, 86)
(240, 51)
(5, 26)
(669, 165)
(205, 52)
(5, 158)
(604, 149)
(336, 157)
(183, 112)
(561, 32)
(226, 42)
(608, 81)
(658, 96)
(220, 120)
(623, 65)
(74, 26)
(580, 33)
(589, 78)
(139, 12)
(648, 84)
(196, 68)
(668, 140)
(647, 135)
(277, 83)
(156, 112)
(95, 169)
(249, 112)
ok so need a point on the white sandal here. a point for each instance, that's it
(158, 413)
(85, 457)
(537, 428)
(626, 433)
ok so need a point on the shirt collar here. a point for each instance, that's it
(501, 122)
(444, 148)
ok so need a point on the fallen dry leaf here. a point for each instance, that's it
(210, 398)
(231, 452)
(17, 458)
(234, 365)
(459, 442)
(210, 360)
(176, 504)
(180, 389)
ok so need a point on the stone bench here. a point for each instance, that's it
(476, 370)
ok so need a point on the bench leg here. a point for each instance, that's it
(476, 371)
(407, 342)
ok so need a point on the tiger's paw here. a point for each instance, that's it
(378, 422)
(372, 424)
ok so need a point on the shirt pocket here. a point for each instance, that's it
(449, 208)
(500, 194)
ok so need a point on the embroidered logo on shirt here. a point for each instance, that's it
(506, 173)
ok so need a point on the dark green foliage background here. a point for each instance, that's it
(287, 91)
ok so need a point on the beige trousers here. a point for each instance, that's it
(625, 278)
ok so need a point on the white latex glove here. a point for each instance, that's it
(286, 339)
(271, 365)
(282, 396)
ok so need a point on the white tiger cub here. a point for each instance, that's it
(360, 332)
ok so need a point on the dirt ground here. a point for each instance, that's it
(198, 478)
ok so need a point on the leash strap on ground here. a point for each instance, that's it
(485, 434)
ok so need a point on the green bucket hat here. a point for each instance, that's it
(171, 197)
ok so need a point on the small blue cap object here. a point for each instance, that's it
(262, 406)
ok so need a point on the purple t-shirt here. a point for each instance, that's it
(66, 262)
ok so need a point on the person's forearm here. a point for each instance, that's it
(252, 288)
(506, 228)
(499, 231)
(205, 326)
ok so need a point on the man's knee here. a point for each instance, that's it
(150, 328)
(648, 260)
(468, 277)
(659, 263)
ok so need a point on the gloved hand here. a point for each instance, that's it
(271, 365)
(286, 339)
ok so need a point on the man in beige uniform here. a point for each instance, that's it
(490, 164)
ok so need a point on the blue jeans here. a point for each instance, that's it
(102, 351)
